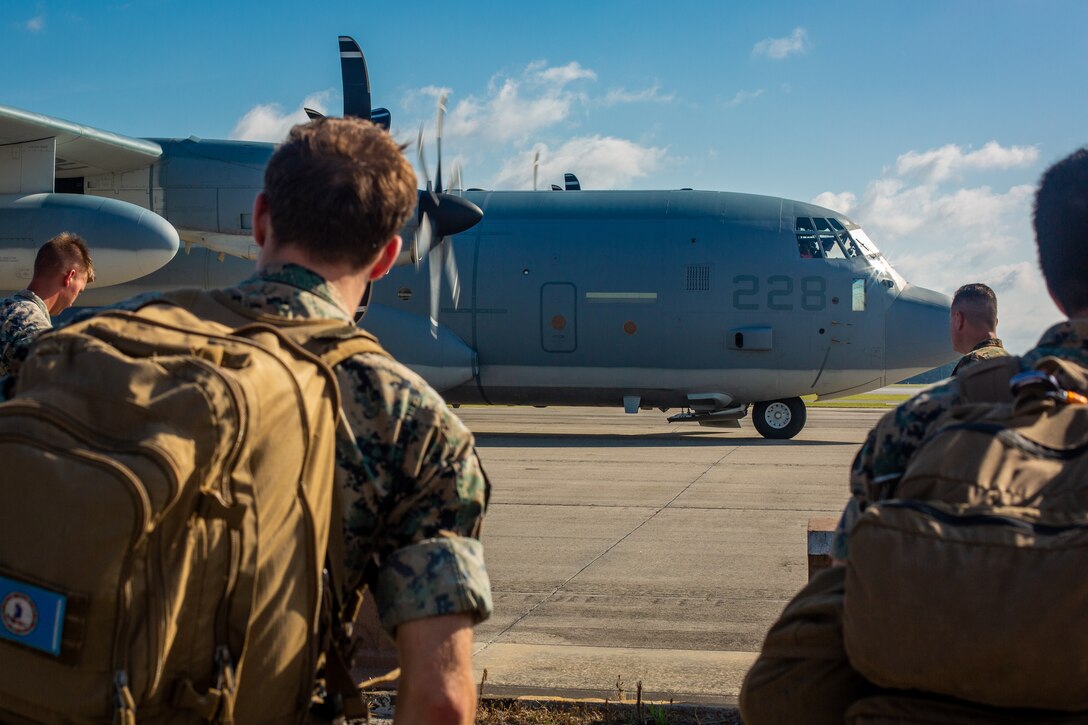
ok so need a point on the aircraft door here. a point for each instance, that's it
(558, 317)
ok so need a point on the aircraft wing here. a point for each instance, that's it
(80, 150)
(235, 245)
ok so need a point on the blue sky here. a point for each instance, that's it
(928, 123)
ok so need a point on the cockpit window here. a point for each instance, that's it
(830, 246)
(819, 238)
(807, 246)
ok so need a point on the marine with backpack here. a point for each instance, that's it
(959, 599)
(170, 488)
(187, 472)
(967, 580)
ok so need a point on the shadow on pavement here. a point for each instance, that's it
(644, 440)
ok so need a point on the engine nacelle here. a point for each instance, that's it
(126, 241)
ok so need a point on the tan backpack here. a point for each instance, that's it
(971, 581)
(168, 490)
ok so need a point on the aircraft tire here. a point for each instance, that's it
(779, 419)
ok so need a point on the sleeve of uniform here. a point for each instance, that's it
(415, 496)
(20, 328)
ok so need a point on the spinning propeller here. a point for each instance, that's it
(439, 214)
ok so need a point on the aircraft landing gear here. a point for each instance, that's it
(779, 419)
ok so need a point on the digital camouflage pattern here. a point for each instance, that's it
(23, 317)
(884, 456)
(414, 491)
(988, 348)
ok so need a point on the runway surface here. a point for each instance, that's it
(625, 548)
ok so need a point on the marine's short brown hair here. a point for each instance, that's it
(339, 188)
(1061, 230)
(61, 253)
(978, 303)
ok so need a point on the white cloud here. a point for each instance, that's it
(843, 203)
(516, 109)
(269, 122)
(36, 24)
(951, 161)
(601, 162)
(941, 234)
(496, 133)
(562, 75)
(744, 97)
(646, 95)
(795, 43)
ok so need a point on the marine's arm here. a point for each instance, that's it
(885, 454)
(436, 670)
(22, 324)
(415, 499)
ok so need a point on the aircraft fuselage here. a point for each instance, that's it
(588, 297)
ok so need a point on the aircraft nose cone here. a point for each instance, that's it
(452, 215)
(916, 333)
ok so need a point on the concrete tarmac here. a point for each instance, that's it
(624, 548)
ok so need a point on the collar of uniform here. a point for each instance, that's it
(291, 290)
(988, 342)
(28, 294)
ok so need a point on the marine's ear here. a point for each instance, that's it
(387, 257)
(261, 219)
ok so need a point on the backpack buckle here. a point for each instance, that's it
(1047, 385)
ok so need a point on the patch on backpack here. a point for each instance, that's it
(31, 616)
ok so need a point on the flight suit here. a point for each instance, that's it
(803, 673)
(988, 348)
(23, 317)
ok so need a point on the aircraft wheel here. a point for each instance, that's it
(779, 419)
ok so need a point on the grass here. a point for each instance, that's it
(848, 403)
(503, 711)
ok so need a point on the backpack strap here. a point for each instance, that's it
(335, 344)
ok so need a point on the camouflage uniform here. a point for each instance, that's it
(414, 491)
(988, 348)
(23, 317)
(803, 673)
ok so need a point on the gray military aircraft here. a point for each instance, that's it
(711, 302)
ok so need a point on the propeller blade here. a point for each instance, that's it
(356, 79)
(451, 271)
(421, 157)
(312, 114)
(455, 179)
(438, 138)
(360, 311)
(434, 264)
(536, 166)
(421, 242)
(381, 117)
